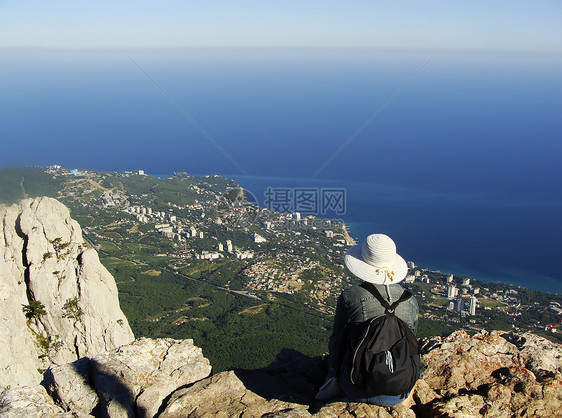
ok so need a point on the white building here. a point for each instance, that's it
(220, 247)
(459, 305)
(229, 247)
(450, 278)
(243, 255)
(466, 282)
(258, 238)
(472, 308)
(200, 234)
(452, 292)
(329, 234)
(207, 255)
(141, 172)
(410, 278)
(297, 216)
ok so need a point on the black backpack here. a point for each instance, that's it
(383, 355)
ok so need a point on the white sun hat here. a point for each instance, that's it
(376, 261)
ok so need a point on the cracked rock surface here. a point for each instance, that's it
(72, 304)
(492, 374)
(133, 380)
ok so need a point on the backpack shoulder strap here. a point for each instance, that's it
(373, 290)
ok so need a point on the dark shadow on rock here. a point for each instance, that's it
(516, 340)
(544, 375)
(501, 373)
(428, 344)
(82, 369)
(109, 387)
(292, 377)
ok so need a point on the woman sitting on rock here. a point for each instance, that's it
(374, 261)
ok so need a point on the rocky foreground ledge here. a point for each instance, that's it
(497, 374)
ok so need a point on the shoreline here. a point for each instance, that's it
(512, 274)
(354, 228)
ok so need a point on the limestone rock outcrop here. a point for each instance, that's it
(489, 374)
(133, 380)
(223, 394)
(492, 374)
(57, 301)
(29, 402)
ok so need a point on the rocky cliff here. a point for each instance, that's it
(57, 302)
(94, 367)
(493, 375)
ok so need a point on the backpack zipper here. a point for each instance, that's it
(359, 345)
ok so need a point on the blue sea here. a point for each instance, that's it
(456, 155)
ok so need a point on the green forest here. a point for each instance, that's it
(234, 331)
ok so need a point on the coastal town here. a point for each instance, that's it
(212, 232)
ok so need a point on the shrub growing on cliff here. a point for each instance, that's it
(34, 310)
(48, 344)
(59, 247)
(72, 310)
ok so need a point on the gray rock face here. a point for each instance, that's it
(57, 302)
(539, 354)
(224, 395)
(484, 375)
(286, 388)
(493, 374)
(130, 381)
(71, 385)
(29, 402)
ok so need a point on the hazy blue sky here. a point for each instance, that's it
(483, 25)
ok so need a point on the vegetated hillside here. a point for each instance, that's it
(234, 330)
(22, 182)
